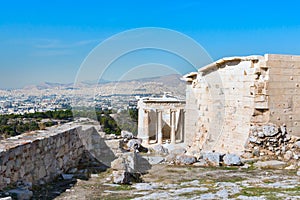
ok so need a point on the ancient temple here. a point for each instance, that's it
(161, 120)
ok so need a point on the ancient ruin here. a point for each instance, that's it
(229, 103)
(161, 119)
(231, 97)
(237, 111)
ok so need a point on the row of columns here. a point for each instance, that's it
(159, 135)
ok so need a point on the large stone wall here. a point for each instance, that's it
(191, 112)
(41, 156)
(224, 103)
(229, 97)
(283, 91)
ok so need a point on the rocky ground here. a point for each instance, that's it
(171, 172)
(189, 182)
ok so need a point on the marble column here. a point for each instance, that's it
(159, 127)
(146, 127)
(173, 126)
(182, 112)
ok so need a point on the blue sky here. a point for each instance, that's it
(48, 40)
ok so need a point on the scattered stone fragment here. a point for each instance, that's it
(127, 135)
(212, 158)
(24, 185)
(6, 198)
(288, 155)
(261, 134)
(72, 170)
(200, 163)
(178, 151)
(245, 166)
(256, 151)
(121, 177)
(128, 168)
(67, 176)
(232, 160)
(185, 159)
(171, 158)
(21, 194)
(159, 149)
(125, 162)
(134, 144)
(270, 130)
(94, 175)
(297, 144)
(154, 160)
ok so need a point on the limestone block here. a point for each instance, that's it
(261, 105)
(295, 131)
(270, 130)
(282, 85)
(284, 78)
(185, 159)
(41, 172)
(213, 159)
(121, 177)
(159, 149)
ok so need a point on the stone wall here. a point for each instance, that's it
(283, 91)
(229, 97)
(191, 111)
(41, 156)
(221, 94)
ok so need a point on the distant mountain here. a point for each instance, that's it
(152, 85)
(168, 80)
(47, 85)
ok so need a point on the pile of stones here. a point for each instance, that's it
(272, 142)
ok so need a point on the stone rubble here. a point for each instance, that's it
(21, 194)
(272, 142)
(129, 164)
(159, 149)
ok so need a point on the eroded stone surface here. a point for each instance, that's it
(274, 164)
(232, 159)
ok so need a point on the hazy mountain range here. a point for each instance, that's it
(155, 85)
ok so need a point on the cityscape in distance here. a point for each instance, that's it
(109, 95)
